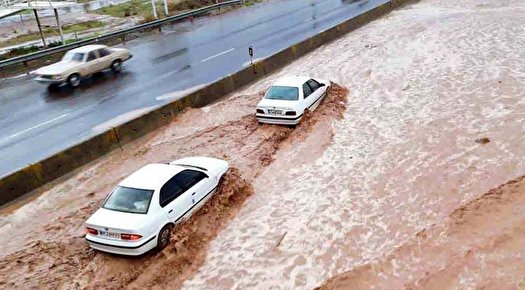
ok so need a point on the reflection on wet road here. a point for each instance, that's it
(37, 122)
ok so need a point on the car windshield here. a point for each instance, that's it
(128, 199)
(73, 56)
(283, 93)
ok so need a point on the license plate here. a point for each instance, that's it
(275, 112)
(109, 235)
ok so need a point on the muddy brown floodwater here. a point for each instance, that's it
(491, 233)
(43, 244)
(428, 83)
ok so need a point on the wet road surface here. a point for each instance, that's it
(37, 122)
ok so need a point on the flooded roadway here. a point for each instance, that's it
(37, 122)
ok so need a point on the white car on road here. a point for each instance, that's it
(142, 210)
(288, 99)
(82, 62)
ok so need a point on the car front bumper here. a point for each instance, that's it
(49, 81)
(284, 120)
(121, 247)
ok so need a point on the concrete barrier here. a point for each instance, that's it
(40, 173)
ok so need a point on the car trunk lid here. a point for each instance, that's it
(116, 222)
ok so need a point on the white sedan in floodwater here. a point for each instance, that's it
(82, 62)
(288, 99)
(142, 210)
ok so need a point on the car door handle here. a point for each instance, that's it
(193, 194)
(170, 211)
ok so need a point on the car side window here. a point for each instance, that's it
(103, 52)
(178, 184)
(306, 90)
(91, 56)
(313, 84)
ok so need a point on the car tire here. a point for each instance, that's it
(164, 237)
(116, 66)
(53, 86)
(73, 80)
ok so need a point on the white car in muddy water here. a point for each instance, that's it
(288, 98)
(142, 210)
(82, 62)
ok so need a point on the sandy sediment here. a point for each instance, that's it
(57, 256)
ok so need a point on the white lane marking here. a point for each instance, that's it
(36, 126)
(218, 54)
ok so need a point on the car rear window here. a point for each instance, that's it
(283, 93)
(127, 199)
(73, 56)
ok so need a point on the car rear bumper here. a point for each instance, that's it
(292, 120)
(120, 247)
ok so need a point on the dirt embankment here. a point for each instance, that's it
(57, 255)
(491, 232)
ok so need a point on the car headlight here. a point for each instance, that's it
(56, 77)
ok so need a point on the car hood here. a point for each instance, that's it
(57, 68)
(116, 220)
(266, 103)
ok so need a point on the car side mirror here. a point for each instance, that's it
(322, 85)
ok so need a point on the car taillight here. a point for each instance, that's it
(92, 231)
(131, 237)
(290, 113)
(260, 111)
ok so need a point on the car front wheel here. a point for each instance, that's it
(74, 80)
(164, 237)
(116, 66)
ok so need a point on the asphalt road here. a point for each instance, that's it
(37, 122)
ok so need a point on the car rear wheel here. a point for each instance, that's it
(116, 66)
(164, 237)
(74, 80)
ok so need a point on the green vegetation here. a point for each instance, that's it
(131, 8)
(83, 26)
(53, 32)
(251, 2)
(142, 8)
(33, 48)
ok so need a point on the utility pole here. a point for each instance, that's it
(40, 28)
(166, 7)
(59, 27)
(154, 9)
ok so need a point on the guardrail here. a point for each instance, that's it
(116, 34)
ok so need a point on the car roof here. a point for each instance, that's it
(291, 81)
(88, 48)
(152, 176)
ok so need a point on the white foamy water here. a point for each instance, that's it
(425, 82)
